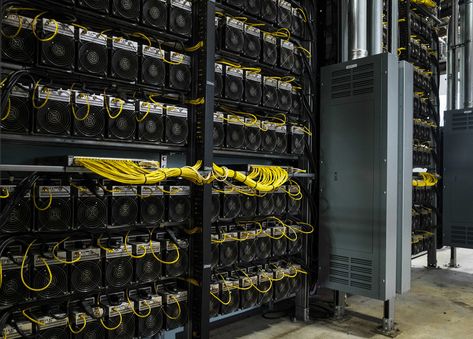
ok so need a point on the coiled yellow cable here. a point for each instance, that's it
(178, 309)
(84, 319)
(120, 321)
(22, 268)
(54, 253)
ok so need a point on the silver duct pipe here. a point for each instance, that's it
(452, 62)
(357, 29)
(376, 27)
(468, 55)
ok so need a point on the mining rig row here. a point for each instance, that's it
(419, 45)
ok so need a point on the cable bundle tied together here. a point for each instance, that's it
(260, 178)
(428, 180)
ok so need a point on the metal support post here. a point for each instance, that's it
(453, 258)
(339, 304)
(388, 319)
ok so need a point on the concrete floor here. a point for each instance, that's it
(439, 305)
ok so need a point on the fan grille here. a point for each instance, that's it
(281, 289)
(234, 39)
(53, 333)
(270, 53)
(152, 128)
(233, 88)
(93, 125)
(297, 64)
(284, 100)
(53, 118)
(20, 217)
(155, 13)
(270, 96)
(153, 71)
(248, 206)
(55, 218)
(287, 58)
(124, 210)
(179, 208)
(279, 246)
(12, 290)
(266, 204)
(295, 247)
(21, 48)
(269, 10)
(214, 307)
(152, 324)
(218, 84)
(58, 52)
(298, 144)
(99, 5)
(152, 210)
(235, 136)
(148, 269)
(253, 7)
(123, 127)
(296, 104)
(249, 298)
(252, 46)
(263, 248)
(86, 276)
(92, 331)
(233, 305)
(128, 9)
(91, 213)
(281, 143)
(124, 64)
(215, 254)
(218, 134)
(215, 207)
(17, 120)
(265, 297)
(294, 206)
(231, 206)
(247, 251)
(253, 138)
(180, 21)
(253, 92)
(280, 203)
(297, 26)
(58, 284)
(173, 311)
(284, 18)
(177, 130)
(180, 77)
(228, 253)
(118, 272)
(93, 58)
(180, 267)
(126, 330)
(269, 141)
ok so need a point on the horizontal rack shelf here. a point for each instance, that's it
(89, 143)
(252, 154)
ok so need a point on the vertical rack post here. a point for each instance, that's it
(200, 243)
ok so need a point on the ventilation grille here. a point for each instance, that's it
(353, 82)
(462, 121)
(352, 272)
(462, 235)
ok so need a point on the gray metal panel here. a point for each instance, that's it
(458, 179)
(359, 156)
(406, 130)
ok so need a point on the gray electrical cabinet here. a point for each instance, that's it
(458, 179)
(359, 176)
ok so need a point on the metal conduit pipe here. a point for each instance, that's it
(357, 29)
(468, 55)
(376, 27)
(452, 65)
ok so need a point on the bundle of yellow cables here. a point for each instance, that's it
(428, 180)
(259, 178)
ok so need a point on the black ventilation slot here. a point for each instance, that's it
(462, 121)
(354, 272)
(462, 235)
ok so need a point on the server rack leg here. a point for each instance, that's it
(432, 253)
(453, 258)
(388, 319)
(339, 304)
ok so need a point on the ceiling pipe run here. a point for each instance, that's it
(468, 55)
(358, 29)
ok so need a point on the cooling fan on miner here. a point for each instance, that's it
(263, 247)
(234, 132)
(89, 115)
(234, 303)
(18, 45)
(121, 125)
(124, 59)
(248, 298)
(95, 5)
(92, 52)
(179, 205)
(126, 9)
(281, 289)
(118, 270)
(249, 206)
(58, 52)
(174, 268)
(247, 249)
(253, 138)
(270, 92)
(231, 205)
(284, 14)
(269, 10)
(268, 142)
(253, 88)
(55, 332)
(234, 36)
(58, 214)
(151, 325)
(253, 7)
(266, 204)
(176, 126)
(281, 140)
(123, 207)
(152, 209)
(126, 330)
(180, 17)
(270, 49)
(41, 278)
(52, 114)
(147, 269)
(228, 253)
(155, 14)
(12, 290)
(218, 131)
(252, 42)
(233, 84)
(17, 215)
(153, 68)
(86, 275)
(17, 120)
(215, 206)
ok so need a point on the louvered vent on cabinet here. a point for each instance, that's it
(353, 82)
(462, 121)
(462, 236)
(351, 271)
